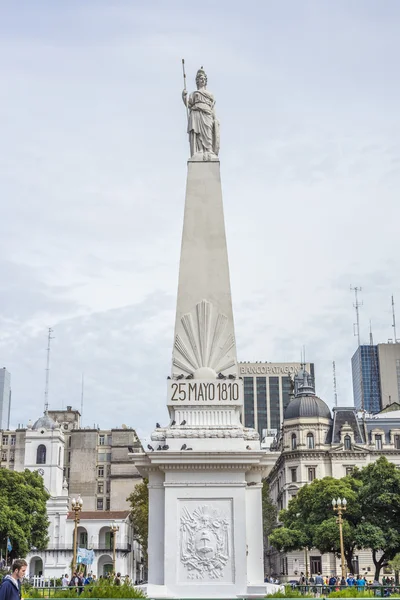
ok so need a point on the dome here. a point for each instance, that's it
(44, 422)
(307, 406)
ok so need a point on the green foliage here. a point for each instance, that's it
(102, 588)
(269, 510)
(394, 564)
(309, 520)
(139, 500)
(351, 592)
(379, 500)
(23, 514)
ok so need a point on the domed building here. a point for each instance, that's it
(313, 443)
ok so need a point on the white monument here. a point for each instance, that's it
(205, 467)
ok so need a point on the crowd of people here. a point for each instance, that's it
(324, 584)
(79, 580)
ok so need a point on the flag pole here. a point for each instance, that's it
(184, 85)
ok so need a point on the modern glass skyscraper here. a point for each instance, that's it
(5, 398)
(366, 379)
(267, 389)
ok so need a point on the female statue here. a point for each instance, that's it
(203, 127)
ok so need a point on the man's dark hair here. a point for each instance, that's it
(18, 564)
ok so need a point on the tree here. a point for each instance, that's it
(23, 513)
(379, 499)
(309, 521)
(269, 514)
(139, 500)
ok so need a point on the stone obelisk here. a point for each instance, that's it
(205, 467)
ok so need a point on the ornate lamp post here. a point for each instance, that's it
(114, 528)
(77, 504)
(339, 506)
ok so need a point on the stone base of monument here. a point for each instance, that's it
(205, 512)
(161, 591)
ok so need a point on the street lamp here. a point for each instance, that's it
(77, 504)
(339, 506)
(114, 528)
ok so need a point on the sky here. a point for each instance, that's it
(93, 152)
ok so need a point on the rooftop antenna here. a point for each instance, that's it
(334, 382)
(46, 389)
(394, 321)
(82, 390)
(357, 304)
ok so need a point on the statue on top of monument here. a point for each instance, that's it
(203, 126)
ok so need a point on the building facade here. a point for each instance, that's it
(267, 392)
(366, 379)
(5, 398)
(88, 462)
(314, 443)
(389, 373)
(376, 376)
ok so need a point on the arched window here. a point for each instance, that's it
(41, 455)
(294, 441)
(310, 441)
(347, 442)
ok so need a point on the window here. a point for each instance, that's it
(59, 457)
(349, 470)
(12, 456)
(311, 473)
(261, 404)
(101, 457)
(310, 441)
(13, 440)
(5, 440)
(107, 503)
(82, 539)
(41, 455)
(69, 457)
(378, 442)
(108, 487)
(65, 426)
(248, 401)
(101, 440)
(397, 442)
(294, 475)
(294, 441)
(100, 503)
(4, 455)
(100, 487)
(108, 456)
(108, 470)
(69, 441)
(109, 440)
(100, 471)
(347, 442)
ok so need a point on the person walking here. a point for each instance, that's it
(319, 582)
(10, 588)
(117, 580)
(65, 581)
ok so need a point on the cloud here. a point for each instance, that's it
(92, 181)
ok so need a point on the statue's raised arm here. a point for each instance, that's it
(203, 126)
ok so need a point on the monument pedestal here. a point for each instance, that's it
(205, 524)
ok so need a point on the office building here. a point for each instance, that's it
(389, 373)
(376, 376)
(366, 380)
(5, 398)
(267, 392)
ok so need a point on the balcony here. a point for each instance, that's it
(99, 547)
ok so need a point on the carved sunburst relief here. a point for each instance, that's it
(205, 342)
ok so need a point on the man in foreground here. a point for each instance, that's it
(10, 588)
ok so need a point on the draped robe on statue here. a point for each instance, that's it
(203, 127)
